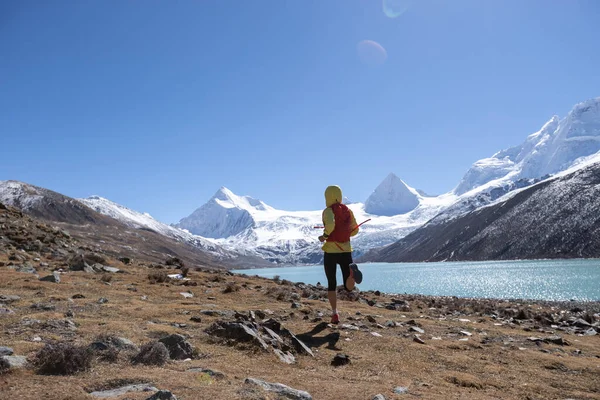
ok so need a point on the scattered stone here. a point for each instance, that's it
(16, 362)
(78, 296)
(287, 357)
(590, 332)
(43, 307)
(237, 331)
(55, 278)
(187, 295)
(6, 351)
(391, 324)
(8, 298)
(556, 340)
(371, 319)
(379, 397)
(400, 390)
(162, 395)
(417, 339)
(281, 390)
(196, 319)
(376, 334)
(111, 270)
(178, 347)
(417, 329)
(349, 327)
(102, 300)
(340, 359)
(465, 333)
(6, 311)
(26, 269)
(123, 390)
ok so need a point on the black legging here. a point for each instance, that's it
(331, 261)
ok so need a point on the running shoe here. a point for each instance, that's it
(355, 273)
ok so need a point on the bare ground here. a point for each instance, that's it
(497, 361)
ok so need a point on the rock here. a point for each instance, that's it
(6, 311)
(349, 327)
(297, 344)
(417, 329)
(187, 295)
(417, 339)
(26, 269)
(212, 313)
(241, 332)
(379, 397)
(581, 323)
(590, 332)
(78, 296)
(340, 359)
(6, 351)
(102, 300)
(287, 357)
(196, 319)
(391, 324)
(125, 260)
(8, 298)
(281, 390)
(111, 270)
(371, 319)
(43, 307)
(162, 395)
(376, 334)
(55, 278)
(465, 333)
(400, 390)
(296, 305)
(178, 347)
(16, 361)
(123, 390)
(556, 340)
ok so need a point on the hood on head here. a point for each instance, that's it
(333, 194)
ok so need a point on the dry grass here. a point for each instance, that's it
(497, 361)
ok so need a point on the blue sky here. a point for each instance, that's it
(157, 104)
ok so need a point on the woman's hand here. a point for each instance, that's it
(321, 238)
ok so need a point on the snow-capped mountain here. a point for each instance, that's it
(249, 225)
(554, 148)
(138, 220)
(392, 197)
(395, 209)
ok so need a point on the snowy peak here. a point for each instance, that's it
(392, 197)
(225, 214)
(226, 198)
(558, 145)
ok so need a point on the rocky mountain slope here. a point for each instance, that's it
(556, 218)
(102, 233)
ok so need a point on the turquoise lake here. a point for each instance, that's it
(540, 279)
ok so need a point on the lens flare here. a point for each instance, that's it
(371, 53)
(395, 8)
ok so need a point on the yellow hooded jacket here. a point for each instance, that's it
(333, 194)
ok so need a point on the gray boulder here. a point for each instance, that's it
(162, 395)
(123, 390)
(178, 347)
(281, 390)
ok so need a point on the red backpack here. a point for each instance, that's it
(343, 224)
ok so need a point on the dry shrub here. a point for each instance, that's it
(158, 277)
(231, 287)
(152, 353)
(278, 293)
(62, 358)
(217, 278)
(106, 278)
(276, 279)
(176, 261)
